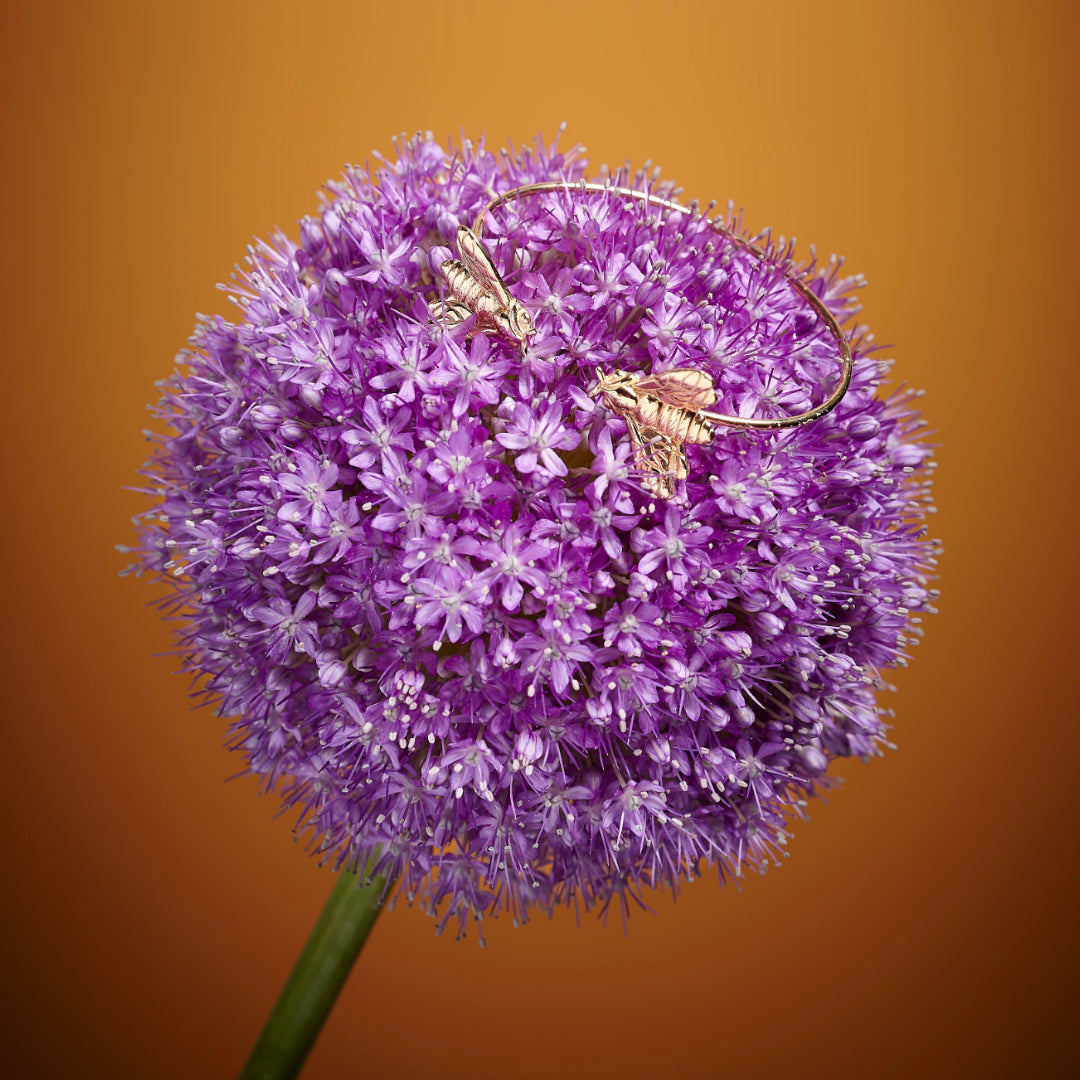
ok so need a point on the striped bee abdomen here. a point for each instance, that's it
(684, 425)
(465, 287)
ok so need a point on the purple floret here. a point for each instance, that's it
(420, 570)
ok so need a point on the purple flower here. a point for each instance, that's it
(310, 486)
(422, 573)
(514, 564)
(539, 436)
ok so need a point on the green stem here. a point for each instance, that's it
(317, 979)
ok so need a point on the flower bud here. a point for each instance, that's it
(659, 750)
(863, 428)
(265, 417)
(312, 239)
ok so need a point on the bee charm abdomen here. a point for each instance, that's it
(682, 425)
(464, 287)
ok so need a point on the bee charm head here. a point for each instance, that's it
(515, 322)
(617, 390)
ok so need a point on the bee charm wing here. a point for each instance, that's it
(660, 460)
(481, 267)
(684, 388)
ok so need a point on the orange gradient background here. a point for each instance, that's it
(925, 925)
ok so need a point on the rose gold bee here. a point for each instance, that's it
(476, 288)
(663, 412)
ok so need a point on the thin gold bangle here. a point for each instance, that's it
(797, 281)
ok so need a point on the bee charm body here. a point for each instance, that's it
(475, 287)
(663, 412)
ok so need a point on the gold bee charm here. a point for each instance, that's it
(476, 288)
(663, 412)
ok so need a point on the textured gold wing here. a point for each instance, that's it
(478, 261)
(685, 388)
(660, 460)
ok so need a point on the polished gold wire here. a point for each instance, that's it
(797, 281)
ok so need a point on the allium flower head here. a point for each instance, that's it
(420, 570)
